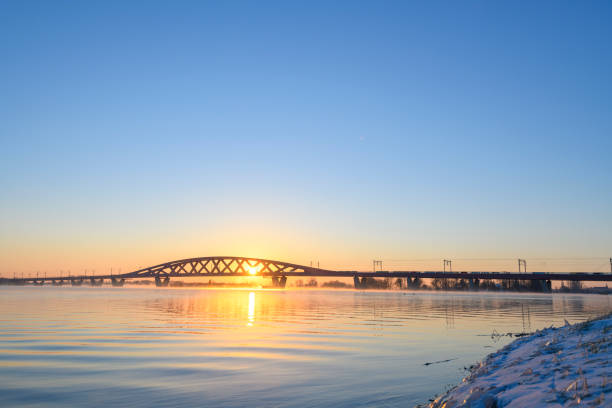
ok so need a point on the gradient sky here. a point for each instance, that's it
(134, 133)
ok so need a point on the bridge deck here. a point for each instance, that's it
(227, 266)
(577, 276)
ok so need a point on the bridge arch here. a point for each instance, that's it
(222, 266)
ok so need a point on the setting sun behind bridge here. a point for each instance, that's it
(252, 269)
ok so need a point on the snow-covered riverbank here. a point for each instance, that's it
(555, 367)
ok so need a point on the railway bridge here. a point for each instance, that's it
(278, 271)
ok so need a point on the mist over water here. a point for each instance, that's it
(147, 347)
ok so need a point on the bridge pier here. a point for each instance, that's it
(279, 281)
(474, 284)
(117, 282)
(76, 282)
(360, 283)
(96, 282)
(159, 282)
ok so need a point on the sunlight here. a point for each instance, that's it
(252, 269)
(251, 313)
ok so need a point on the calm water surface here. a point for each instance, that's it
(257, 348)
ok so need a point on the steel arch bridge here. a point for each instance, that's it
(225, 266)
(220, 266)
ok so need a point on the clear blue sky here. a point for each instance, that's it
(138, 132)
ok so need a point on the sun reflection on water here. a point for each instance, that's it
(251, 313)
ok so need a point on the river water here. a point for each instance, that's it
(146, 347)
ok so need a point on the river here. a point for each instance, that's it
(136, 346)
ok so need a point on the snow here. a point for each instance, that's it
(555, 367)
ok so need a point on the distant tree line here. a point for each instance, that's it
(452, 284)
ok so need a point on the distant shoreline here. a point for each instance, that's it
(373, 285)
(565, 365)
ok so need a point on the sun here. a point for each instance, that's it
(252, 269)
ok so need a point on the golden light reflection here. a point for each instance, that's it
(251, 313)
(252, 269)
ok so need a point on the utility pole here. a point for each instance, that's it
(375, 264)
(524, 264)
(450, 266)
(610, 265)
